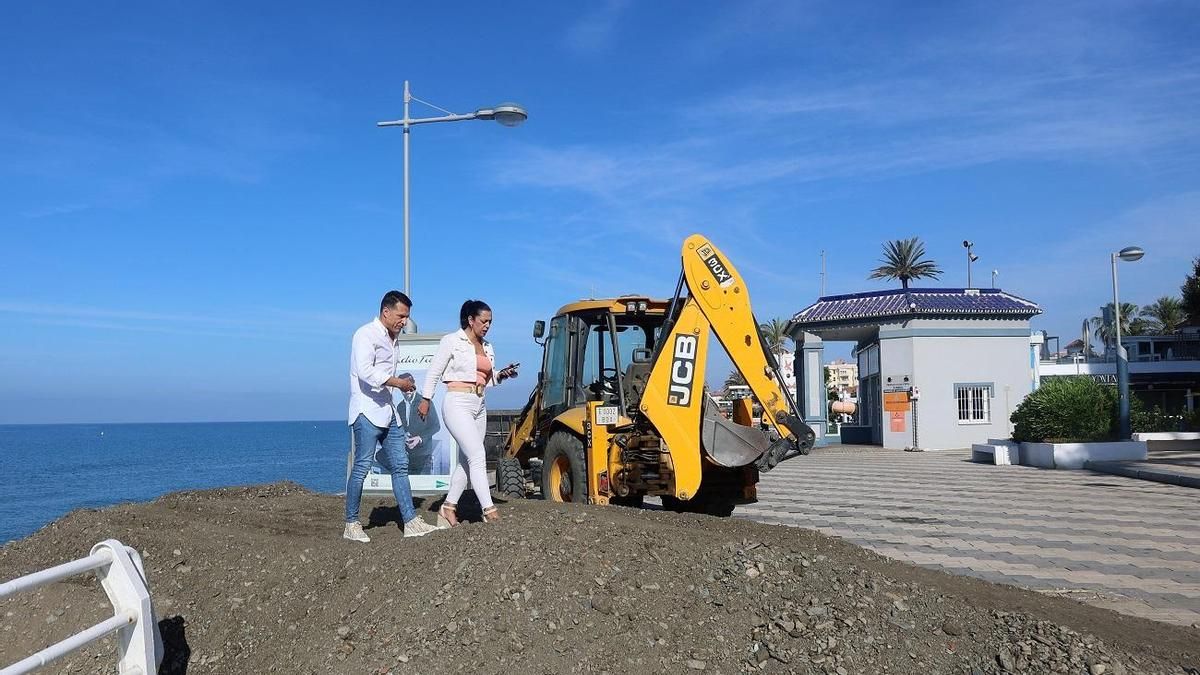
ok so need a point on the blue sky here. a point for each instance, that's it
(196, 209)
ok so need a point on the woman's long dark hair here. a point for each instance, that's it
(470, 310)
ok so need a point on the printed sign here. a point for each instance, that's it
(898, 382)
(606, 415)
(713, 262)
(896, 424)
(1098, 378)
(432, 453)
(895, 401)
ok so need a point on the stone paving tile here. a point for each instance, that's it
(1115, 542)
(1179, 467)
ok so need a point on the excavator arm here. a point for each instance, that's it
(715, 299)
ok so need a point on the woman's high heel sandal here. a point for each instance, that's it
(447, 515)
(491, 514)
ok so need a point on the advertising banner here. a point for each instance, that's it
(432, 453)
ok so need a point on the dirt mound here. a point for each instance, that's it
(258, 579)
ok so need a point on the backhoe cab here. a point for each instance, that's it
(621, 412)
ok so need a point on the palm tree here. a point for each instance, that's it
(1088, 352)
(774, 332)
(904, 259)
(734, 379)
(1165, 316)
(1130, 325)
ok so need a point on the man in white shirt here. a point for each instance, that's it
(373, 415)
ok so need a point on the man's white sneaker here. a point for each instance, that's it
(418, 528)
(354, 532)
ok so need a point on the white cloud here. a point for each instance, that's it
(594, 32)
(802, 131)
(1071, 277)
(260, 322)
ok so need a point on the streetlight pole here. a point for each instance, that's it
(407, 269)
(507, 114)
(1130, 254)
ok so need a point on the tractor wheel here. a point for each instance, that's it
(510, 478)
(564, 478)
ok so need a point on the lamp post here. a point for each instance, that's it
(507, 114)
(1128, 254)
(971, 257)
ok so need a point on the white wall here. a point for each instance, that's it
(896, 361)
(941, 362)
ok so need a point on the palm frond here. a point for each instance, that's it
(904, 259)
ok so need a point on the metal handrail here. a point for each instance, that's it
(123, 578)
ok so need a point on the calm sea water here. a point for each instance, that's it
(49, 470)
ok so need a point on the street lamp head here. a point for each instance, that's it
(974, 257)
(508, 114)
(1131, 253)
(967, 244)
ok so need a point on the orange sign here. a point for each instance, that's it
(897, 422)
(895, 401)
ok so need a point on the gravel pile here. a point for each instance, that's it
(258, 579)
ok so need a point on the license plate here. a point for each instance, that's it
(606, 415)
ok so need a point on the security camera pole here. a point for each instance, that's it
(971, 257)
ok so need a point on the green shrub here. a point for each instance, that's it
(1192, 422)
(1066, 409)
(1154, 419)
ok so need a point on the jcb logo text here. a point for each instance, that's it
(683, 371)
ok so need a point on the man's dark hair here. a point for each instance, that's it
(470, 310)
(391, 298)
(406, 376)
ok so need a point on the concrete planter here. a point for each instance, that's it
(1171, 440)
(1075, 455)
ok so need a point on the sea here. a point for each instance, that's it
(47, 470)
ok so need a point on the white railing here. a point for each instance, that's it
(119, 568)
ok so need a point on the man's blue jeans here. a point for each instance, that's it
(395, 460)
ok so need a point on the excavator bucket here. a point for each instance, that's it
(729, 444)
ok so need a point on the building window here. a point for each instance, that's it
(974, 403)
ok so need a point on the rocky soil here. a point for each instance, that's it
(258, 580)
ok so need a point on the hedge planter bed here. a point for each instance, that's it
(1076, 455)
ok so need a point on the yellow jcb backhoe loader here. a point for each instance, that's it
(620, 410)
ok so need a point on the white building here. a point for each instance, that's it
(1164, 370)
(842, 377)
(967, 353)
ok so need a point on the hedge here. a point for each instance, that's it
(1066, 410)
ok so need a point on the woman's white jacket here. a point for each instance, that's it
(454, 361)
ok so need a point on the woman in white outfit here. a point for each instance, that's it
(466, 362)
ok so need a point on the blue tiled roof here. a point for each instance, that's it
(976, 302)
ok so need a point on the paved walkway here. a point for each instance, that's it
(1178, 467)
(1117, 542)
